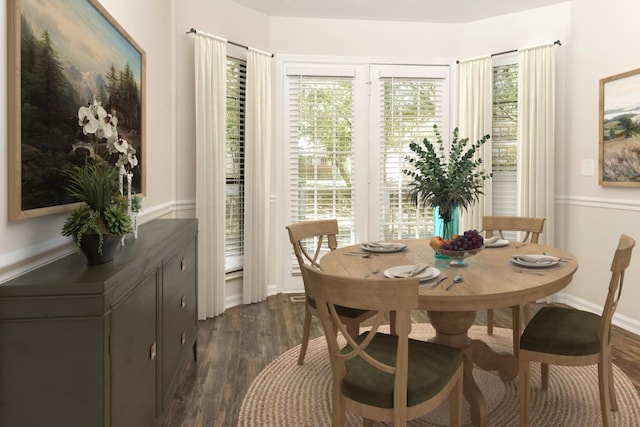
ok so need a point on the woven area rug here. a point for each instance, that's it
(285, 394)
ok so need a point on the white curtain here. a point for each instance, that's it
(211, 97)
(536, 123)
(257, 176)
(475, 122)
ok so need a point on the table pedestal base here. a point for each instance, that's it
(452, 329)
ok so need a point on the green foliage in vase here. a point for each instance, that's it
(446, 181)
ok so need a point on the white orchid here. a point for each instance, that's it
(126, 153)
(95, 120)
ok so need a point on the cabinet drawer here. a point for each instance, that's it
(179, 313)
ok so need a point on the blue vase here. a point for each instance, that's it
(445, 229)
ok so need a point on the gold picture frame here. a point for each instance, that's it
(60, 55)
(619, 150)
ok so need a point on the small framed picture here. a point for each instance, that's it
(619, 152)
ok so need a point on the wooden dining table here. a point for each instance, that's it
(490, 280)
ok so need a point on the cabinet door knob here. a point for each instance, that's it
(183, 338)
(183, 301)
(152, 351)
(183, 264)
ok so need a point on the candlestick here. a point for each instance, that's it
(121, 172)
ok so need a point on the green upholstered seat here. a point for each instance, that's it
(566, 331)
(342, 311)
(431, 367)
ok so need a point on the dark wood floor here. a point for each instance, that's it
(234, 347)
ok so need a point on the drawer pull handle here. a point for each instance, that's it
(152, 351)
(183, 338)
(183, 264)
(183, 301)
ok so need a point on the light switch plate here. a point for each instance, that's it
(588, 167)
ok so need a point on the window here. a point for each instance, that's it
(504, 139)
(410, 101)
(349, 129)
(234, 165)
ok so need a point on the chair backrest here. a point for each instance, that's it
(382, 295)
(530, 226)
(621, 260)
(313, 232)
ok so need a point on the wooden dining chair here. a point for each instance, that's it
(376, 375)
(308, 239)
(530, 227)
(570, 337)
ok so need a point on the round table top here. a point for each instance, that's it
(491, 279)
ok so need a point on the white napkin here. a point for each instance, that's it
(492, 240)
(537, 258)
(417, 269)
(385, 245)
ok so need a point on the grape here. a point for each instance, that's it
(468, 240)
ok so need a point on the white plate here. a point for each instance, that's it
(384, 247)
(427, 274)
(545, 261)
(497, 244)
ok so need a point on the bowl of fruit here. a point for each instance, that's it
(458, 247)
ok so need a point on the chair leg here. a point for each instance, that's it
(515, 325)
(526, 315)
(612, 387)
(353, 328)
(604, 388)
(306, 329)
(544, 376)
(489, 322)
(525, 393)
(455, 404)
(338, 415)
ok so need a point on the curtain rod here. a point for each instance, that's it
(557, 42)
(194, 31)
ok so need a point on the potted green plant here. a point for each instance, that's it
(105, 215)
(446, 182)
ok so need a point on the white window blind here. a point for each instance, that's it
(407, 108)
(321, 160)
(234, 165)
(349, 130)
(504, 139)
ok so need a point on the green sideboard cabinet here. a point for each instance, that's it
(104, 345)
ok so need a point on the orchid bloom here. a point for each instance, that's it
(120, 146)
(88, 122)
(91, 118)
(132, 159)
(110, 122)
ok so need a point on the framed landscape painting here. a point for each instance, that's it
(61, 56)
(620, 130)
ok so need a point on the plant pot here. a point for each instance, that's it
(89, 247)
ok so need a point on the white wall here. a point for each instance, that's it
(605, 41)
(26, 241)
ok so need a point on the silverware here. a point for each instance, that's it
(456, 279)
(560, 259)
(440, 280)
(362, 254)
(372, 273)
(517, 270)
